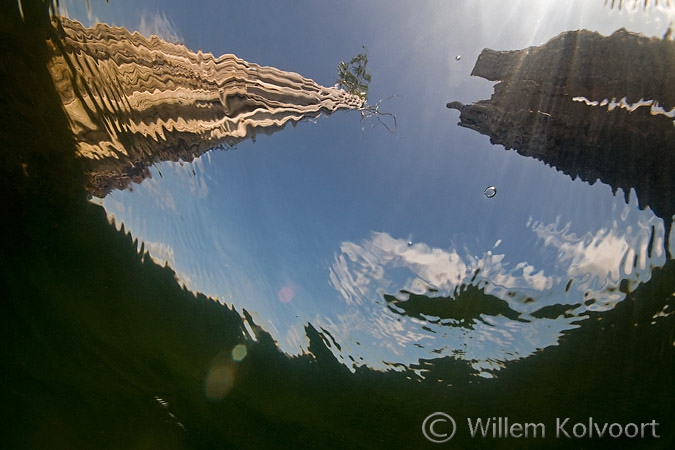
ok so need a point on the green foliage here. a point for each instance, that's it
(353, 76)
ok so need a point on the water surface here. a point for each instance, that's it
(334, 282)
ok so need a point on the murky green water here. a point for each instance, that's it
(361, 281)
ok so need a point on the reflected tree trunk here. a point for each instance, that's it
(593, 107)
(134, 101)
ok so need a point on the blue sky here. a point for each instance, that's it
(311, 224)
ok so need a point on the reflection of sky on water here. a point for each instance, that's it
(294, 272)
(312, 224)
(585, 275)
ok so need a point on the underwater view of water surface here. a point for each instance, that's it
(365, 224)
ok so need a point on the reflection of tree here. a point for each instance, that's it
(594, 107)
(355, 78)
(134, 101)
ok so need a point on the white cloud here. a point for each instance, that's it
(361, 270)
(596, 263)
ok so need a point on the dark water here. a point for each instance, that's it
(102, 347)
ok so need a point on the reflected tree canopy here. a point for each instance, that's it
(354, 77)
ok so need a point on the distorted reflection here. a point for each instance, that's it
(403, 301)
(558, 103)
(419, 302)
(332, 285)
(134, 101)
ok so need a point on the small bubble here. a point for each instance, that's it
(490, 191)
(458, 57)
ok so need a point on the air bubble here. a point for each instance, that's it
(490, 191)
(458, 57)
